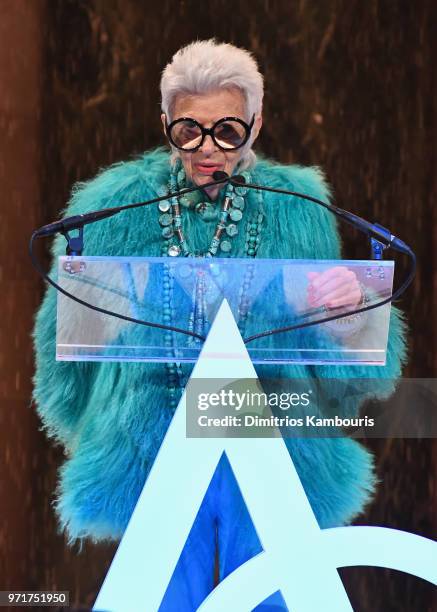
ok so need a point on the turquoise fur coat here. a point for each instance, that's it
(111, 417)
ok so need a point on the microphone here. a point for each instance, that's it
(75, 222)
(374, 230)
(219, 175)
(238, 180)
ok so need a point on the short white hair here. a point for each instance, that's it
(205, 65)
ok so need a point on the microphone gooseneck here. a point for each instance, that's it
(78, 221)
(238, 180)
(371, 229)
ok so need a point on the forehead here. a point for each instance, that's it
(211, 106)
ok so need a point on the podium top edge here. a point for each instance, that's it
(227, 260)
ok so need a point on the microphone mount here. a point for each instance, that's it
(75, 243)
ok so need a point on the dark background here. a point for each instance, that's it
(350, 86)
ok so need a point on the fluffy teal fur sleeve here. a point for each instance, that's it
(112, 417)
(61, 389)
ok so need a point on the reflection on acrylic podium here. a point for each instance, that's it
(186, 293)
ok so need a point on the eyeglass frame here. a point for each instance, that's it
(209, 132)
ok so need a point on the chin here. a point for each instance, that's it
(201, 179)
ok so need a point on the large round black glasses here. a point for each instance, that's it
(228, 133)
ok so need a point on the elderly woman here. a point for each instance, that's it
(112, 417)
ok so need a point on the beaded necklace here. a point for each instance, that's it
(229, 216)
(175, 244)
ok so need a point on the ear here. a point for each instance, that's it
(256, 127)
(163, 123)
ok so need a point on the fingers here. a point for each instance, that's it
(348, 296)
(351, 297)
(335, 287)
(339, 272)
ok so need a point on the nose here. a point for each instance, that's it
(208, 145)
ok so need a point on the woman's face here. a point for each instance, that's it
(206, 109)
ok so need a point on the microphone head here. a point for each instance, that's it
(238, 179)
(219, 175)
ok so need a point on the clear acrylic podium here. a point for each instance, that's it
(186, 293)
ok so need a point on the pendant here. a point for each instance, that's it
(186, 202)
(167, 233)
(236, 214)
(238, 202)
(232, 230)
(240, 190)
(225, 246)
(200, 207)
(165, 220)
(164, 206)
(174, 250)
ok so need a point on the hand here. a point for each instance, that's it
(334, 288)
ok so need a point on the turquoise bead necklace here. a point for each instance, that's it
(175, 244)
(170, 219)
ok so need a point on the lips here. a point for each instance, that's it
(207, 167)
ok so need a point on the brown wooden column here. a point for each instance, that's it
(21, 44)
(32, 554)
